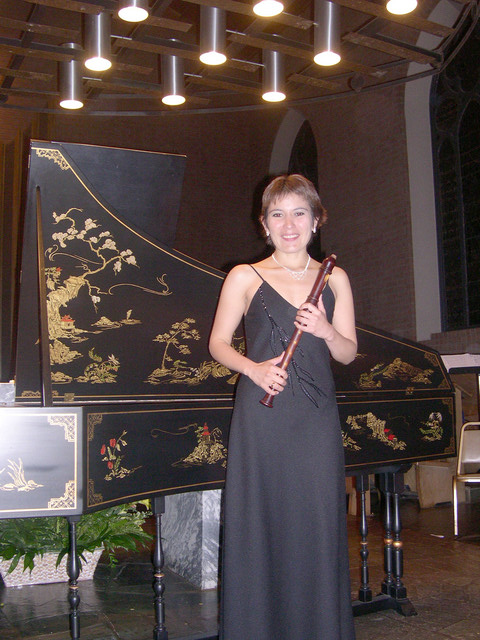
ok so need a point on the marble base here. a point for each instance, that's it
(7, 392)
(190, 532)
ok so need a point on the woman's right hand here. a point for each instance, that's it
(269, 376)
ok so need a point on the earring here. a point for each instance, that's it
(267, 233)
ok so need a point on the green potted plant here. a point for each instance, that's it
(41, 544)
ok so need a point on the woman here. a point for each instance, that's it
(285, 560)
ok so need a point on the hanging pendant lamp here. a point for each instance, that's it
(173, 86)
(97, 41)
(273, 76)
(212, 35)
(70, 81)
(326, 45)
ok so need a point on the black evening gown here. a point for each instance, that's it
(285, 573)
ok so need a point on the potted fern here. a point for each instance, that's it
(34, 550)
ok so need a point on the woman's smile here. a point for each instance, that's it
(289, 221)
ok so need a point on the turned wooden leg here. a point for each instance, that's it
(386, 480)
(73, 570)
(160, 631)
(364, 593)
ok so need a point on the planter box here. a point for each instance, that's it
(45, 572)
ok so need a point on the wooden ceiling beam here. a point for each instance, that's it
(167, 23)
(315, 82)
(59, 54)
(14, 48)
(224, 84)
(190, 53)
(391, 49)
(15, 91)
(80, 6)
(273, 44)
(296, 52)
(94, 7)
(27, 75)
(69, 35)
(159, 48)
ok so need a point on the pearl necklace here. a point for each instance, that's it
(298, 275)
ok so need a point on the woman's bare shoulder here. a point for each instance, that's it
(241, 271)
(339, 280)
(339, 274)
(242, 276)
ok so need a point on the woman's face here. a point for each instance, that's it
(290, 223)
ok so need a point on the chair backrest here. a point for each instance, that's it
(469, 451)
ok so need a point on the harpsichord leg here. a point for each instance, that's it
(392, 485)
(364, 593)
(160, 631)
(73, 570)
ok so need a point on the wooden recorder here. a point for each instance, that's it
(321, 280)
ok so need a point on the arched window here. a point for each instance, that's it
(303, 160)
(455, 111)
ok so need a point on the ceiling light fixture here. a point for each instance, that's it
(70, 81)
(401, 7)
(97, 41)
(273, 76)
(212, 35)
(133, 10)
(172, 80)
(326, 33)
(268, 8)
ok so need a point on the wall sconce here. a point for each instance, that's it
(212, 35)
(97, 41)
(133, 10)
(401, 7)
(70, 81)
(326, 33)
(268, 8)
(273, 76)
(172, 80)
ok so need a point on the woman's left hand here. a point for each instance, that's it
(313, 319)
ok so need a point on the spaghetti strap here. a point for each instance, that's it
(262, 279)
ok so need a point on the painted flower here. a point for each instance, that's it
(110, 464)
(109, 244)
(90, 224)
(103, 450)
(113, 442)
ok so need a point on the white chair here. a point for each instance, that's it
(468, 454)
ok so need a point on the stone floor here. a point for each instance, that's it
(441, 574)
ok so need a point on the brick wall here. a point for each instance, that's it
(363, 182)
(465, 341)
